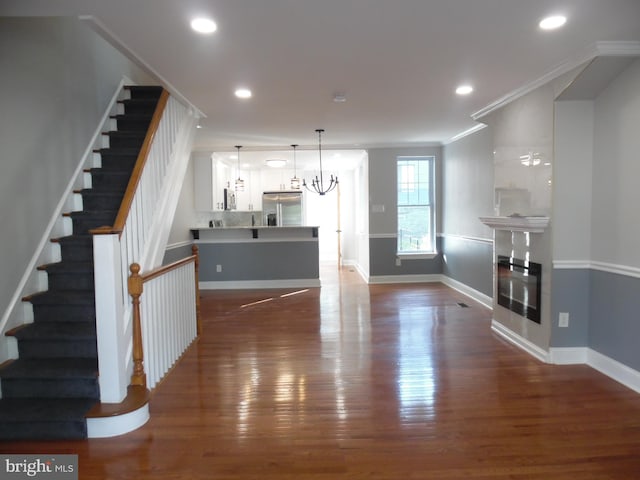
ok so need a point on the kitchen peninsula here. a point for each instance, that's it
(258, 257)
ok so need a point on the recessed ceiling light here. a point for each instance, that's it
(243, 93)
(203, 25)
(553, 22)
(464, 89)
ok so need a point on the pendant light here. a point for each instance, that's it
(317, 184)
(239, 181)
(295, 181)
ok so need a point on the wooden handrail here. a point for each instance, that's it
(158, 272)
(127, 200)
(135, 285)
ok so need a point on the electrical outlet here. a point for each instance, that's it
(563, 319)
(398, 262)
(218, 268)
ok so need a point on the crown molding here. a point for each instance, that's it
(595, 50)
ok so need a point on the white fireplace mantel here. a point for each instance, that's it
(517, 223)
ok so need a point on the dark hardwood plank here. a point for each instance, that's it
(378, 382)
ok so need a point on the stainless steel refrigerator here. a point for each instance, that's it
(282, 209)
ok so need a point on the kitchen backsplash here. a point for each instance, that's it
(230, 218)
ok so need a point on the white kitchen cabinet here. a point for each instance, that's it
(222, 179)
(211, 177)
(251, 198)
(276, 179)
(203, 174)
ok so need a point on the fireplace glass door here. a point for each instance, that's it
(519, 286)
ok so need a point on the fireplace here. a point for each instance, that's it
(519, 286)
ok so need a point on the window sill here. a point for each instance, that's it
(417, 256)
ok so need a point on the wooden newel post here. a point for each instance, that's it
(195, 253)
(135, 290)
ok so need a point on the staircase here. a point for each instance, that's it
(48, 390)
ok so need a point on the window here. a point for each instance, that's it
(416, 214)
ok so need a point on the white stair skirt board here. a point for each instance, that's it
(105, 427)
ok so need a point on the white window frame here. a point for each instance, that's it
(419, 254)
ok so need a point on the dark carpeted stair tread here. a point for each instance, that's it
(144, 91)
(90, 213)
(133, 122)
(67, 267)
(90, 192)
(69, 275)
(14, 410)
(54, 331)
(129, 139)
(75, 239)
(83, 221)
(76, 247)
(93, 200)
(51, 368)
(139, 105)
(110, 179)
(118, 152)
(101, 172)
(62, 297)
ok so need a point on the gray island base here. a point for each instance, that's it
(258, 257)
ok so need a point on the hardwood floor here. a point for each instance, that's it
(378, 382)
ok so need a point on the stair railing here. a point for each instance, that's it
(169, 321)
(139, 235)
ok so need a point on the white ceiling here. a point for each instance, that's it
(397, 61)
(334, 160)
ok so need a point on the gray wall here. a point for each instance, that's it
(57, 79)
(252, 261)
(383, 225)
(596, 277)
(571, 291)
(616, 171)
(572, 180)
(614, 329)
(467, 178)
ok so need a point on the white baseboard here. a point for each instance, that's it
(519, 341)
(567, 355)
(613, 369)
(627, 376)
(479, 297)
(260, 284)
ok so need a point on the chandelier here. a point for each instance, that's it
(317, 184)
(239, 181)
